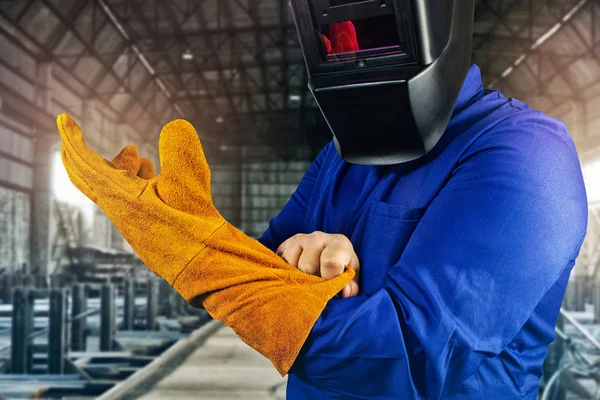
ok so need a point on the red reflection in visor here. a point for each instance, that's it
(327, 44)
(343, 38)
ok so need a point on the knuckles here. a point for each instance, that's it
(322, 239)
(332, 263)
(307, 268)
(316, 241)
(336, 250)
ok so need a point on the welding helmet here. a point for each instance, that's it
(386, 74)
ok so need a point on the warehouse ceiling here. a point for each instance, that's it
(234, 67)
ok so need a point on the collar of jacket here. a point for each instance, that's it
(471, 90)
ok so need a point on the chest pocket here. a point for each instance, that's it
(387, 231)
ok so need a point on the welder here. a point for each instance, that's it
(426, 251)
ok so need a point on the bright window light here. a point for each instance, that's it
(62, 188)
(591, 175)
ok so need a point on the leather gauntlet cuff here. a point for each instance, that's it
(271, 305)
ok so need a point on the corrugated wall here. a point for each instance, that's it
(16, 176)
(251, 192)
(250, 195)
(226, 190)
(267, 188)
(14, 229)
(44, 84)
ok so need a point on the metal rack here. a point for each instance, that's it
(80, 339)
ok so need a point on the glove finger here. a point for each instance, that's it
(76, 180)
(73, 142)
(93, 169)
(183, 168)
(146, 170)
(86, 173)
(128, 159)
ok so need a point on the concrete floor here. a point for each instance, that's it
(223, 368)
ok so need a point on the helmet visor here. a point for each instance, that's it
(358, 38)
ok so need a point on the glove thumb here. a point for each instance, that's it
(128, 159)
(146, 170)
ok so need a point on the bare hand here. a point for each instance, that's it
(322, 254)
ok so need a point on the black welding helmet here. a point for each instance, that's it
(386, 74)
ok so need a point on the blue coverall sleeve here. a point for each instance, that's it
(495, 239)
(291, 219)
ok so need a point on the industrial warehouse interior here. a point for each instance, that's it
(82, 316)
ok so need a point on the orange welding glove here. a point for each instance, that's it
(171, 223)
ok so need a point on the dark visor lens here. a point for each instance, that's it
(361, 38)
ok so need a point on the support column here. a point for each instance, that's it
(107, 317)
(579, 294)
(45, 143)
(129, 305)
(7, 288)
(56, 332)
(42, 214)
(78, 321)
(21, 328)
(179, 304)
(151, 304)
(596, 301)
(170, 304)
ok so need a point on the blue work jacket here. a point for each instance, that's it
(465, 256)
